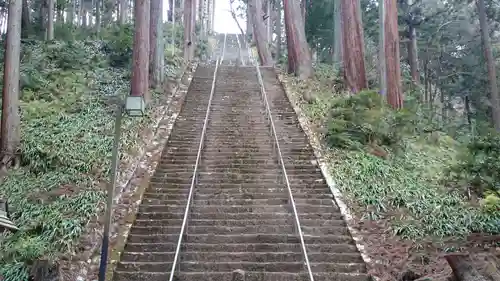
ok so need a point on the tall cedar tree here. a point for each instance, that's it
(123, 11)
(156, 53)
(10, 131)
(413, 55)
(391, 47)
(189, 15)
(140, 56)
(353, 49)
(259, 32)
(490, 63)
(299, 55)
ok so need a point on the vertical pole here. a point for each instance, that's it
(173, 27)
(110, 194)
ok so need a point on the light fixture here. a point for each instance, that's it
(135, 106)
(5, 222)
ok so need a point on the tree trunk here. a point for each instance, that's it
(109, 7)
(269, 34)
(391, 47)
(337, 45)
(25, 22)
(298, 49)
(188, 30)
(259, 33)
(79, 17)
(60, 17)
(123, 11)
(71, 12)
(156, 53)
(140, 67)
(413, 55)
(98, 16)
(462, 268)
(84, 17)
(279, 27)
(490, 62)
(249, 23)
(10, 124)
(303, 6)
(353, 49)
(381, 54)
(213, 15)
(50, 20)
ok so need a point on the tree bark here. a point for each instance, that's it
(299, 55)
(79, 17)
(71, 11)
(123, 11)
(84, 16)
(337, 48)
(50, 20)
(269, 33)
(249, 24)
(413, 55)
(189, 6)
(98, 16)
(391, 47)
(109, 7)
(353, 48)
(381, 55)
(259, 33)
(303, 11)
(490, 63)
(279, 28)
(462, 268)
(140, 67)
(10, 124)
(156, 53)
(26, 21)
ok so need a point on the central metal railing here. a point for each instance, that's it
(194, 180)
(276, 146)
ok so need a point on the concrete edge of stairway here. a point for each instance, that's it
(318, 149)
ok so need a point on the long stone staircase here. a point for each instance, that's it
(241, 218)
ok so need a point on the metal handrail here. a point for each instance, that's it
(195, 175)
(280, 156)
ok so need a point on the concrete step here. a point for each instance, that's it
(326, 249)
(249, 276)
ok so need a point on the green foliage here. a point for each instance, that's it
(478, 168)
(410, 186)
(118, 44)
(362, 119)
(67, 125)
(407, 189)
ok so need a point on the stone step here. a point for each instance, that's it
(239, 238)
(171, 189)
(222, 257)
(249, 276)
(216, 209)
(229, 216)
(243, 201)
(198, 266)
(327, 249)
(239, 223)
